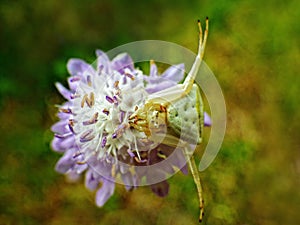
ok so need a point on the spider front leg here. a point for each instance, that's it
(173, 141)
(178, 91)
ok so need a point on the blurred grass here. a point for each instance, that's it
(253, 49)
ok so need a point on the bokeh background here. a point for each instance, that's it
(253, 49)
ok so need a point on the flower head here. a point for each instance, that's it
(94, 130)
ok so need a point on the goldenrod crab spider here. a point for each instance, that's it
(163, 108)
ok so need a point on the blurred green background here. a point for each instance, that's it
(253, 49)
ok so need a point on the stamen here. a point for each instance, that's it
(118, 92)
(115, 100)
(109, 99)
(62, 135)
(105, 111)
(103, 143)
(77, 154)
(127, 74)
(122, 114)
(75, 78)
(89, 81)
(89, 101)
(83, 100)
(86, 136)
(116, 84)
(73, 96)
(92, 99)
(124, 80)
(120, 130)
(92, 120)
(87, 139)
(71, 122)
(71, 127)
(68, 110)
(86, 133)
(100, 68)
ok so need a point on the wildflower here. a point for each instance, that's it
(94, 132)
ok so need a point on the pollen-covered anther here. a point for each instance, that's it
(65, 110)
(131, 76)
(93, 120)
(75, 78)
(109, 99)
(122, 115)
(103, 142)
(83, 100)
(105, 111)
(81, 162)
(115, 99)
(100, 68)
(61, 135)
(120, 130)
(89, 80)
(90, 101)
(73, 96)
(71, 122)
(76, 154)
(71, 125)
(116, 84)
(87, 136)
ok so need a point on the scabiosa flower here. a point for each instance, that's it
(94, 132)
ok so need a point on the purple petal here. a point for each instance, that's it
(79, 168)
(77, 67)
(62, 144)
(63, 91)
(60, 127)
(207, 120)
(103, 62)
(122, 61)
(174, 73)
(161, 189)
(66, 162)
(164, 84)
(91, 181)
(101, 167)
(105, 192)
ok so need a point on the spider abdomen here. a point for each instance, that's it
(185, 116)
